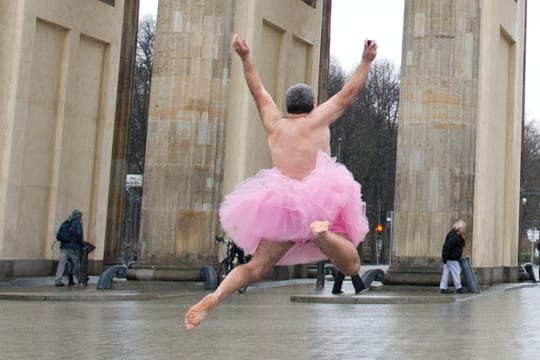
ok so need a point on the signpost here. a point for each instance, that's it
(132, 181)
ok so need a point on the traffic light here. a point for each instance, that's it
(379, 229)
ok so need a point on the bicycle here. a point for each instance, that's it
(233, 257)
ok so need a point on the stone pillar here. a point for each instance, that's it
(185, 140)
(461, 61)
(117, 190)
(193, 96)
(324, 58)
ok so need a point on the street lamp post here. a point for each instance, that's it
(533, 234)
(390, 222)
(525, 196)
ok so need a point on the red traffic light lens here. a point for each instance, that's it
(379, 229)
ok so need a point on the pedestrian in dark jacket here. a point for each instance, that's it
(451, 254)
(69, 251)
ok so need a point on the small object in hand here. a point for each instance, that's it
(369, 42)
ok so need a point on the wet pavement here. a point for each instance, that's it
(263, 323)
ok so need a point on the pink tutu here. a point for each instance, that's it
(276, 207)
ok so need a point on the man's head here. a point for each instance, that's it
(459, 226)
(299, 99)
(76, 214)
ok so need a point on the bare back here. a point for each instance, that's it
(294, 143)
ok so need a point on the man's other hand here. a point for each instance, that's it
(240, 46)
(370, 50)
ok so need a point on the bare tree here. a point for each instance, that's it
(530, 183)
(530, 158)
(368, 130)
(144, 62)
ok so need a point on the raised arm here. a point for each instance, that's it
(331, 110)
(268, 109)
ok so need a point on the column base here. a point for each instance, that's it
(23, 268)
(499, 274)
(414, 271)
(40, 267)
(428, 272)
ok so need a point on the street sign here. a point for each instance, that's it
(134, 180)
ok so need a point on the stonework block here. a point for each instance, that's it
(58, 107)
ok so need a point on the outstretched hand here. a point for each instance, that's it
(370, 50)
(240, 46)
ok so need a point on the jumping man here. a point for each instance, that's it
(306, 208)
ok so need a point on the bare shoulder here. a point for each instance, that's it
(325, 114)
(272, 119)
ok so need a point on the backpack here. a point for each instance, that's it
(65, 232)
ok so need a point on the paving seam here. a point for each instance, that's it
(89, 298)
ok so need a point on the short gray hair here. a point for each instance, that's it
(299, 99)
(459, 224)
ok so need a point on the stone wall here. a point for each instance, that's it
(59, 74)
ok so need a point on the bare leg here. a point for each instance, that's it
(339, 249)
(266, 256)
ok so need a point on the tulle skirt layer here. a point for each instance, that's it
(273, 206)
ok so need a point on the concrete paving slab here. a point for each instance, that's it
(263, 323)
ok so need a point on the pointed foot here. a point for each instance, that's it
(319, 227)
(199, 311)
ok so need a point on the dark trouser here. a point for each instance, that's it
(356, 280)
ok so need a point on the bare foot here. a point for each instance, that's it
(319, 227)
(199, 311)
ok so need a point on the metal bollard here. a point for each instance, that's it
(106, 278)
(372, 275)
(209, 276)
(470, 277)
(320, 275)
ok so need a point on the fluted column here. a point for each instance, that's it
(459, 136)
(185, 141)
(116, 206)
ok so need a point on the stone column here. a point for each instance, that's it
(445, 165)
(324, 58)
(117, 189)
(185, 141)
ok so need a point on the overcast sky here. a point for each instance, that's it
(355, 20)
